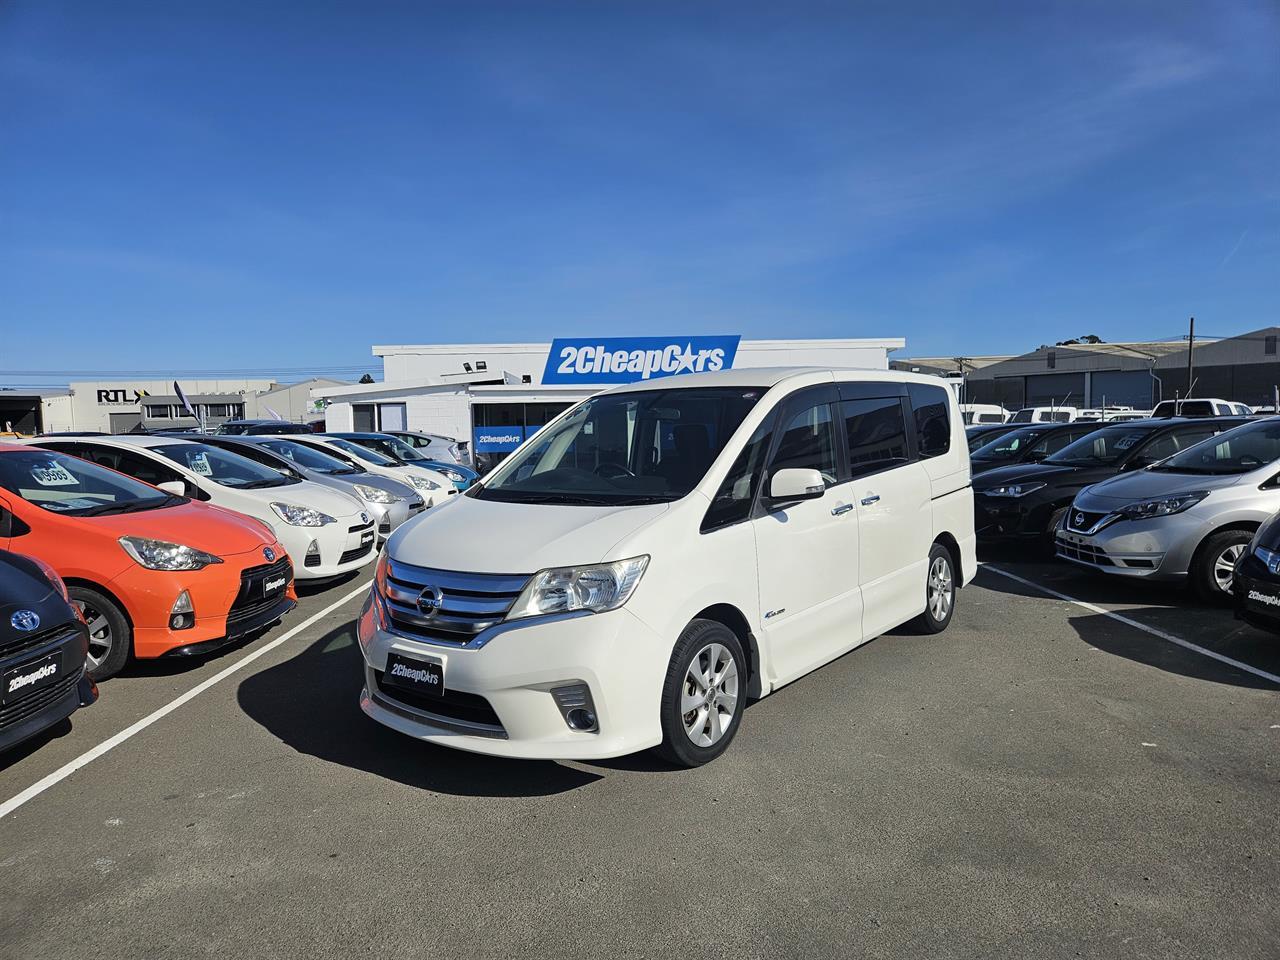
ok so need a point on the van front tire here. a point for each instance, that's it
(703, 695)
(939, 591)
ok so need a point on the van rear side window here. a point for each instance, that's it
(875, 434)
(931, 407)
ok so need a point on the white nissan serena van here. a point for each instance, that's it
(664, 551)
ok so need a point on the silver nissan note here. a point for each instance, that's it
(1188, 517)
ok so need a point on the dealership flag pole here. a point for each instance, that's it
(1191, 345)
(177, 389)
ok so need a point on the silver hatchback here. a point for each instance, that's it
(388, 501)
(1189, 517)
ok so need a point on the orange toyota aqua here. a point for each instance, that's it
(155, 574)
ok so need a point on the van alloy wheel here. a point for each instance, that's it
(942, 589)
(1224, 566)
(710, 697)
(100, 636)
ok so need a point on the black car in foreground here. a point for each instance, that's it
(43, 646)
(1027, 500)
(1255, 586)
(1028, 444)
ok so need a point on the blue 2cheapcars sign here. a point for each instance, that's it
(627, 359)
(497, 439)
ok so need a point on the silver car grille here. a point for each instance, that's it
(1086, 522)
(445, 606)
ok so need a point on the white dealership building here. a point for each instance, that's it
(493, 395)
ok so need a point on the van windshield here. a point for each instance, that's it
(1240, 450)
(641, 447)
(75, 487)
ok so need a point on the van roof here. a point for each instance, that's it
(772, 376)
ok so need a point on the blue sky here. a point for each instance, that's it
(272, 185)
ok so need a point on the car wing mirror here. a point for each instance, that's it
(794, 483)
(176, 487)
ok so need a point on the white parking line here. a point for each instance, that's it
(1169, 637)
(67, 769)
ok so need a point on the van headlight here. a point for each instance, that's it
(422, 483)
(163, 555)
(1161, 506)
(297, 516)
(1013, 489)
(374, 495)
(604, 586)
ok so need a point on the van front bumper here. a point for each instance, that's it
(513, 668)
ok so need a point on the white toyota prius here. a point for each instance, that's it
(665, 551)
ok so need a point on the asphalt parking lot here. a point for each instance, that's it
(1042, 780)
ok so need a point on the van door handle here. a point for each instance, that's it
(843, 508)
(870, 499)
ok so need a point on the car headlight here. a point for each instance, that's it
(374, 495)
(1013, 489)
(422, 483)
(1266, 556)
(453, 475)
(163, 555)
(604, 586)
(298, 516)
(1161, 506)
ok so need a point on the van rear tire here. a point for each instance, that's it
(939, 591)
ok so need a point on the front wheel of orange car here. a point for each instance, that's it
(110, 636)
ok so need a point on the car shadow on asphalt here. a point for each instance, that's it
(310, 703)
(1174, 613)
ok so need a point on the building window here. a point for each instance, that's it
(234, 411)
(157, 411)
(1269, 345)
(1052, 359)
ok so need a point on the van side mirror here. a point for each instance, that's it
(175, 487)
(792, 484)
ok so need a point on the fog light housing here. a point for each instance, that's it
(182, 615)
(312, 559)
(576, 706)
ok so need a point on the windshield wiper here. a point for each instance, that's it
(259, 484)
(131, 506)
(567, 498)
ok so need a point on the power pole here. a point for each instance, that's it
(1191, 345)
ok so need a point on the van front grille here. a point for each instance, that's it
(445, 606)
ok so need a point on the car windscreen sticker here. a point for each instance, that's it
(200, 464)
(1124, 443)
(52, 474)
